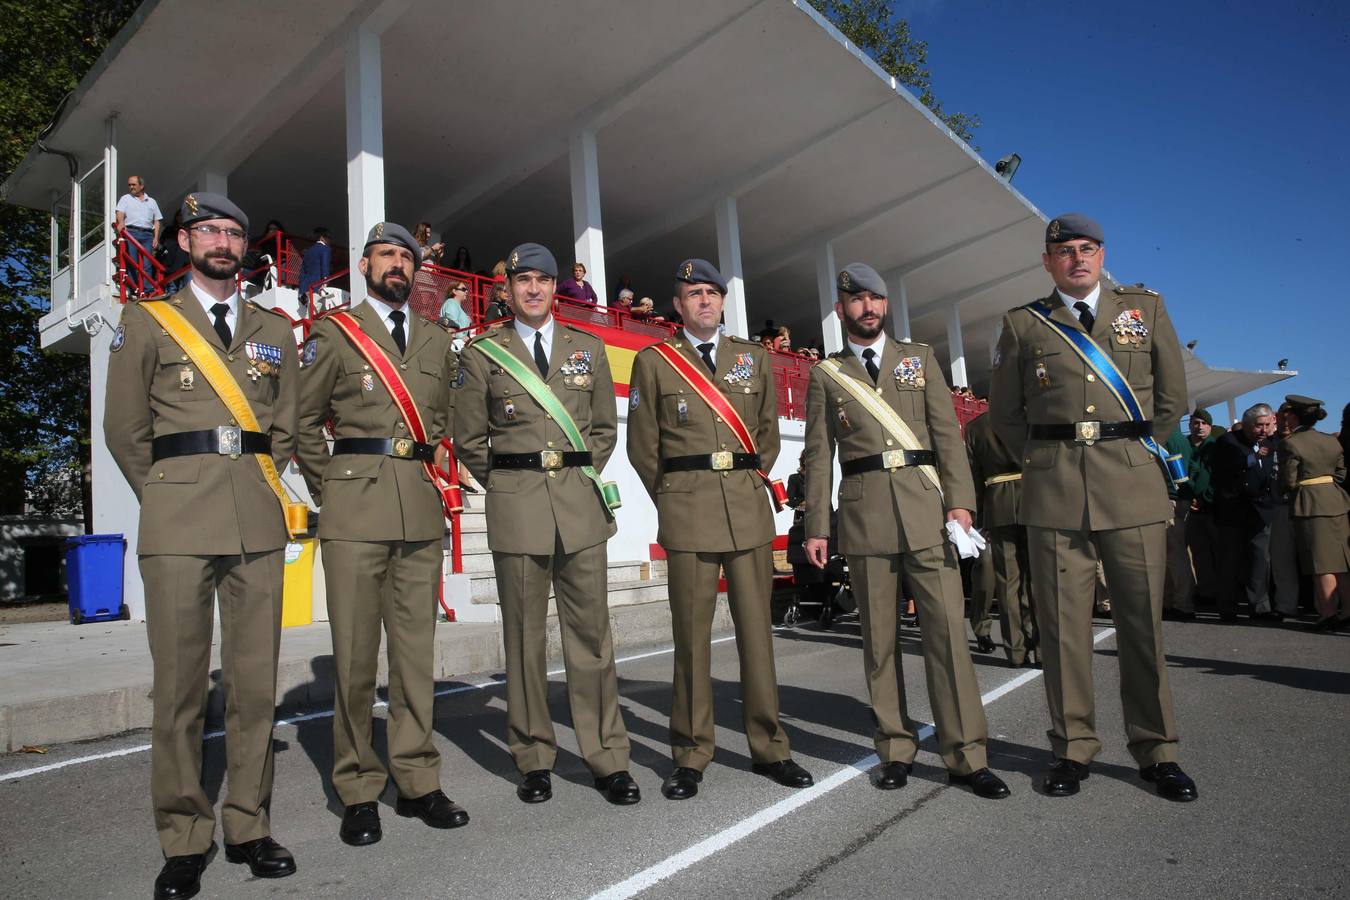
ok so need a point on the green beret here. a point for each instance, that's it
(201, 205)
(700, 271)
(1072, 226)
(392, 233)
(855, 278)
(534, 257)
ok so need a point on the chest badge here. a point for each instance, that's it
(1042, 374)
(742, 371)
(909, 372)
(367, 382)
(185, 378)
(1129, 327)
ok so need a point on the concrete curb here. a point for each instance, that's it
(304, 677)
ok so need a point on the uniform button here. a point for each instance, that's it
(161, 476)
(1091, 408)
(403, 365)
(230, 357)
(667, 484)
(725, 474)
(549, 417)
(719, 420)
(889, 442)
(400, 426)
(1026, 462)
(878, 390)
(550, 443)
(348, 472)
(232, 421)
(747, 390)
(724, 446)
(1091, 377)
(366, 367)
(183, 358)
(552, 474)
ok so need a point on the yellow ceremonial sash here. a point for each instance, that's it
(1318, 479)
(295, 515)
(882, 412)
(1000, 479)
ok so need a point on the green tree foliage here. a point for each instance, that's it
(873, 26)
(45, 48)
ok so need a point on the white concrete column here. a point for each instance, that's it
(830, 326)
(957, 346)
(365, 148)
(1232, 413)
(110, 195)
(729, 262)
(76, 229)
(587, 231)
(214, 183)
(900, 311)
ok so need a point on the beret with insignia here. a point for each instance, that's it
(201, 205)
(855, 278)
(1071, 227)
(532, 257)
(393, 233)
(700, 271)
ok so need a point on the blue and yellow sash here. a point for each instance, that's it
(1100, 362)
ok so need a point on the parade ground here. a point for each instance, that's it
(1264, 730)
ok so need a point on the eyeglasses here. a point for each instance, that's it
(461, 290)
(210, 231)
(1087, 251)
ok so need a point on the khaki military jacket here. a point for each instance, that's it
(365, 497)
(1309, 454)
(999, 503)
(528, 511)
(873, 504)
(207, 504)
(704, 511)
(1038, 379)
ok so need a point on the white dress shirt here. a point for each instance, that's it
(207, 301)
(1090, 300)
(695, 342)
(527, 335)
(384, 309)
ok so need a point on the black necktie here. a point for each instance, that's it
(1085, 315)
(705, 350)
(400, 336)
(540, 357)
(869, 360)
(222, 329)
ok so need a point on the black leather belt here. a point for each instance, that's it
(721, 461)
(227, 440)
(398, 448)
(891, 459)
(543, 460)
(1090, 432)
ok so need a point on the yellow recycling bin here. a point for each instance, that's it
(297, 592)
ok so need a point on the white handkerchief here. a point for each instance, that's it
(968, 543)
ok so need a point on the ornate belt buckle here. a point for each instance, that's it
(892, 459)
(721, 460)
(1087, 432)
(402, 448)
(229, 440)
(550, 459)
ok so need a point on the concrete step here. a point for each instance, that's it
(483, 586)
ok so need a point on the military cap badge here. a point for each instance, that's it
(515, 259)
(191, 204)
(1054, 229)
(845, 280)
(688, 270)
(379, 230)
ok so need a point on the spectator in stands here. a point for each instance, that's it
(462, 261)
(453, 315)
(1201, 529)
(645, 309)
(624, 300)
(497, 307)
(1179, 581)
(576, 287)
(138, 217)
(624, 283)
(315, 266)
(431, 253)
(767, 340)
(782, 341)
(1242, 472)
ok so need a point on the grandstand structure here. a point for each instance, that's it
(627, 136)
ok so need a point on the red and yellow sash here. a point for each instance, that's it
(709, 393)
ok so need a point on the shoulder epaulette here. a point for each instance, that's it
(268, 309)
(740, 340)
(840, 354)
(1135, 289)
(581, 331)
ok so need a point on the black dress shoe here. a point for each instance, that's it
(436, 809)
(1176, 615)
(265, 857)
(619, 788)
(1172, 783)
(785, 772)
(982, 783)
(984, 643)
(1327, 625)
(536, 787)
(1063, 777)
(892, 776)
(180, 877)
(361, 824)
(681, 784)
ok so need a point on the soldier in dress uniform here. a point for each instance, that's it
(1312, 471)
(713, 517)
(548, 522)
(893, 502)
(998, 492)
(1091, 489)
(381, 527)
(211, 529)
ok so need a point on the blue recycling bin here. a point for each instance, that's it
(94, 578)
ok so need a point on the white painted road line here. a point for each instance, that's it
(649, 877)
(307, 717)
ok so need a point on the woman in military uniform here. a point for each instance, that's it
(1312, 469)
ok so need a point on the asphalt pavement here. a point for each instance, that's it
(1265, 732)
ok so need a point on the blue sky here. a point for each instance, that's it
(1209, 139)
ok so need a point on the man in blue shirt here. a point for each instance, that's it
(315, 265)
(138, 215)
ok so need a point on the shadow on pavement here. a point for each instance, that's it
(1321, 680)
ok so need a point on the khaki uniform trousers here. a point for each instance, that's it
(580, 581)
(394, 583)
(179, 611)
(1012, 584)
(693, 600)
(982, 594)
(934, 575)
(1063, 568)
